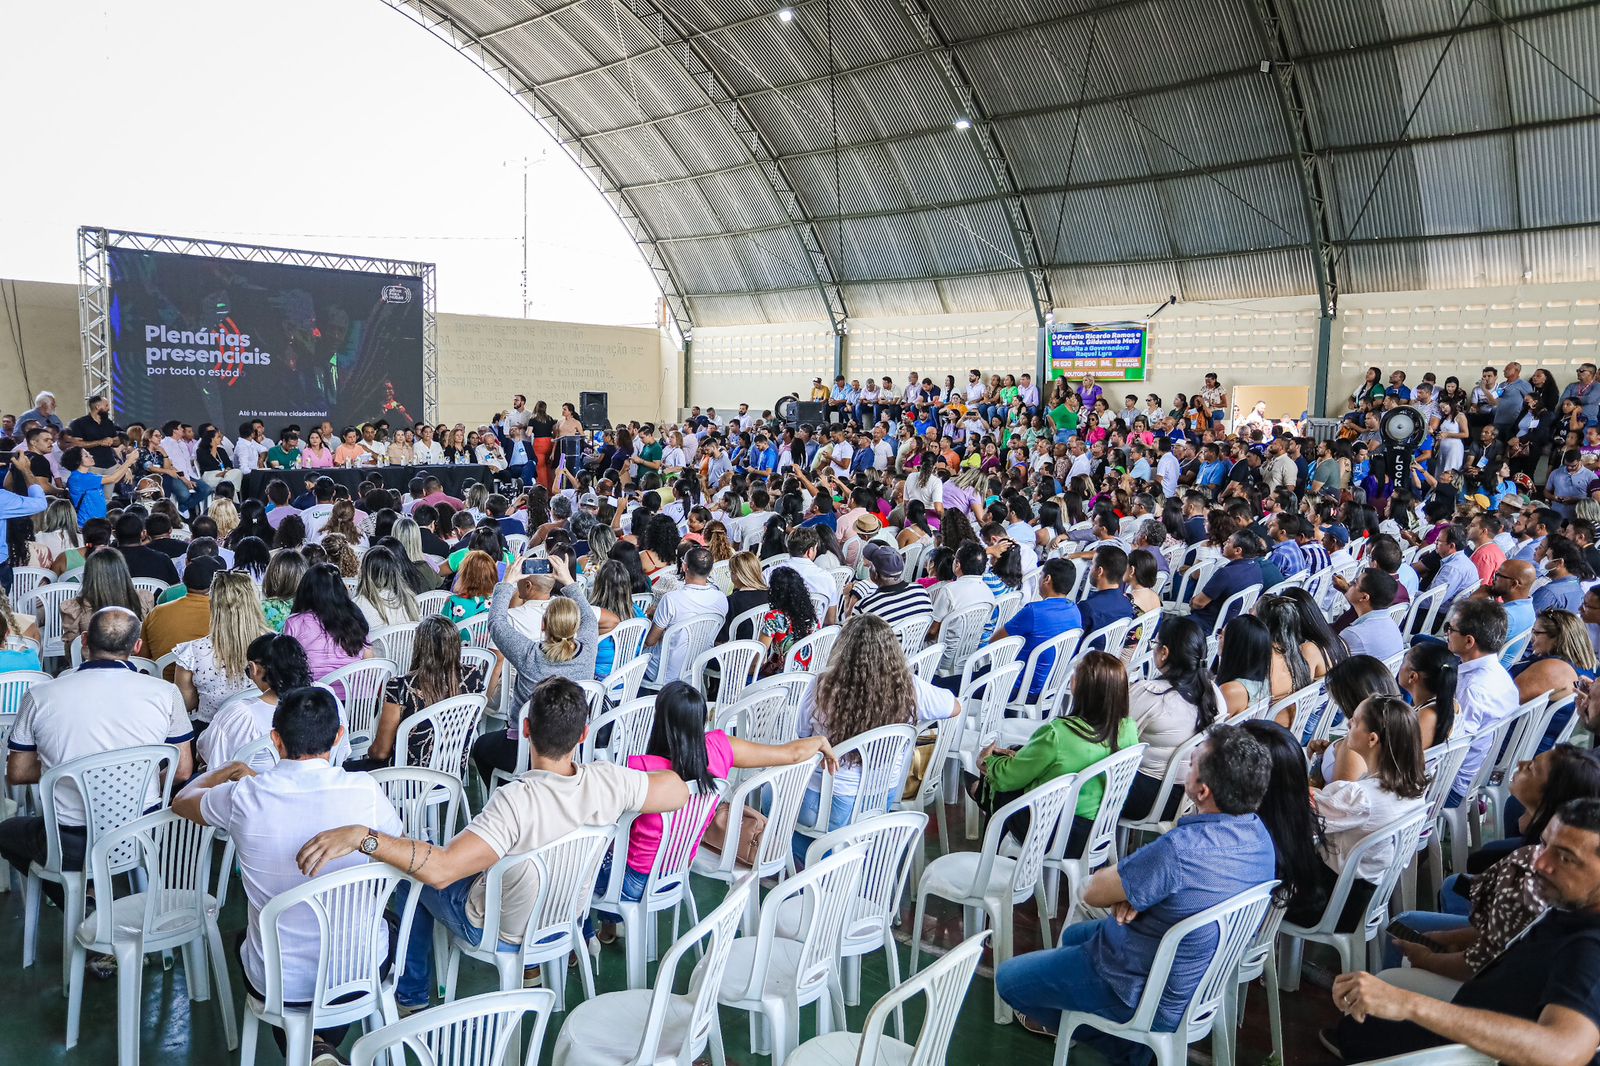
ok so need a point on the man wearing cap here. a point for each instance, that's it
(819, 391)
(894, 599)
(189, 616)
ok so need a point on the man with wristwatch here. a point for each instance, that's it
(556, 796)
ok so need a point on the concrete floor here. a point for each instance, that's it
(178, 1033)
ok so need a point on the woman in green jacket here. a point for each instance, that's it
(1098, 727)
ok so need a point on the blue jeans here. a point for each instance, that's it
(190, 501)
(449, 906)
(1422, 922)
(1042, 984)
(843, 808)
(633, 883)
(1451, 901)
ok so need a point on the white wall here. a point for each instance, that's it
(50, 357)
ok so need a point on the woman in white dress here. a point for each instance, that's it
(212, 668)
(1450, 435)
(276, 664)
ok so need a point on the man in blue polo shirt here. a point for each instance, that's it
(1106, 602)
(1243, 569)
(1050, 616)
(1210, 856)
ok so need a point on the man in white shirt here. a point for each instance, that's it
(1028, 393)
(802, 560)
(1485, 693)
(975, 388)
(316, 516)
(103, 706)
(250, 450)
(1168, 469)
(843, 450)
(745, 531)
(519, 416)
(268, 816)
(882, 447)
(697, 596)
(553, 798)
(966, 590)
(1082, 460)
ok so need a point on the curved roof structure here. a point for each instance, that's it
(866, 158)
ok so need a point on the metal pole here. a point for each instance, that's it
(838, 355)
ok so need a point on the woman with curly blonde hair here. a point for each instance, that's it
(342, 522)
(717, 542)
(341, 554)
(867, 684)
(225, 513)
(212, 668)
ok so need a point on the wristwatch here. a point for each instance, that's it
(369, 843)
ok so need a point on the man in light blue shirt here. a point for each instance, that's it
(13, 505)
(1456, 573)
(1374, 631)
(1586, 392)
(1536, 524)
(1210, 856)
(1563, 561)
(1569, 483)
(1139, 468)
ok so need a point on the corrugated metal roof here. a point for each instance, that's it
(1184, 178)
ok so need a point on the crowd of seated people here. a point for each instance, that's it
(1229, 569)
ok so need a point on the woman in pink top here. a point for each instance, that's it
(326, 622)
(316, 454)
(679, 742)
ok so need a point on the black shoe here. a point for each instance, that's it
(1329, 1039)
(325, 1054)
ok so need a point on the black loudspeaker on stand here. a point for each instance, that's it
(592, 410)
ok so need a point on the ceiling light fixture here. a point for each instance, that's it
(785, 14)
(963, 123)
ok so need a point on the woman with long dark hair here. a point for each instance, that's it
(680, 742)
(1170, 710)
(435, 674)
(252, 523)
(290, 534)
(253, 557)
(105, 583)
(628, 555)
(1244, 663)
(1350, 684)
(790, 619)
(1286, 810)
(326, 622)
(1430, 675)
(1317, 638)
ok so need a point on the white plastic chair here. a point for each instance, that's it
(912, 633)
(627, 638)
(454, 723)
(395, 642)
(1313, 715)
(348, 907)
(630, 732)
(667, 886)
(891, 842)
(773, 976)
(818, 645)
(914, 556)
(1236, 921)
(947, 734)
(432, 602)
(14, 685)
(795, 685)
(1144, 627)
(988, 884)
(24, 579)
(747, 626)
(991, 656)
(116, 787)
(733, 663)
(1189, 583)
(1422, 614)
(623, 682)
(643, 601)
(1260, 961)
(173, 908)
(1100, 847)
(657, 1026)
(1171, 785)
(779, 791)
(984, 704)
(1399, 839)
(1451, 1055)
(417, 793)
(46, 601)
(1057, 674)
(764, 716)
(1110, 639)
(565, 872)
(1443, 762)
(475, 631)
(480, 1031)
(1533, 719)
(481, 658)
(925, 663)
(1005, 608)
(884, 755)
(1232, 607)
(359, 687)
(962, 633)
(944, 984)
(685, 642)
(153, 585)
(1462, 819)
(75, 574)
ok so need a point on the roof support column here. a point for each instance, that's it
(1274, 34)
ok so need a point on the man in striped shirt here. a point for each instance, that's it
(896, 600)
